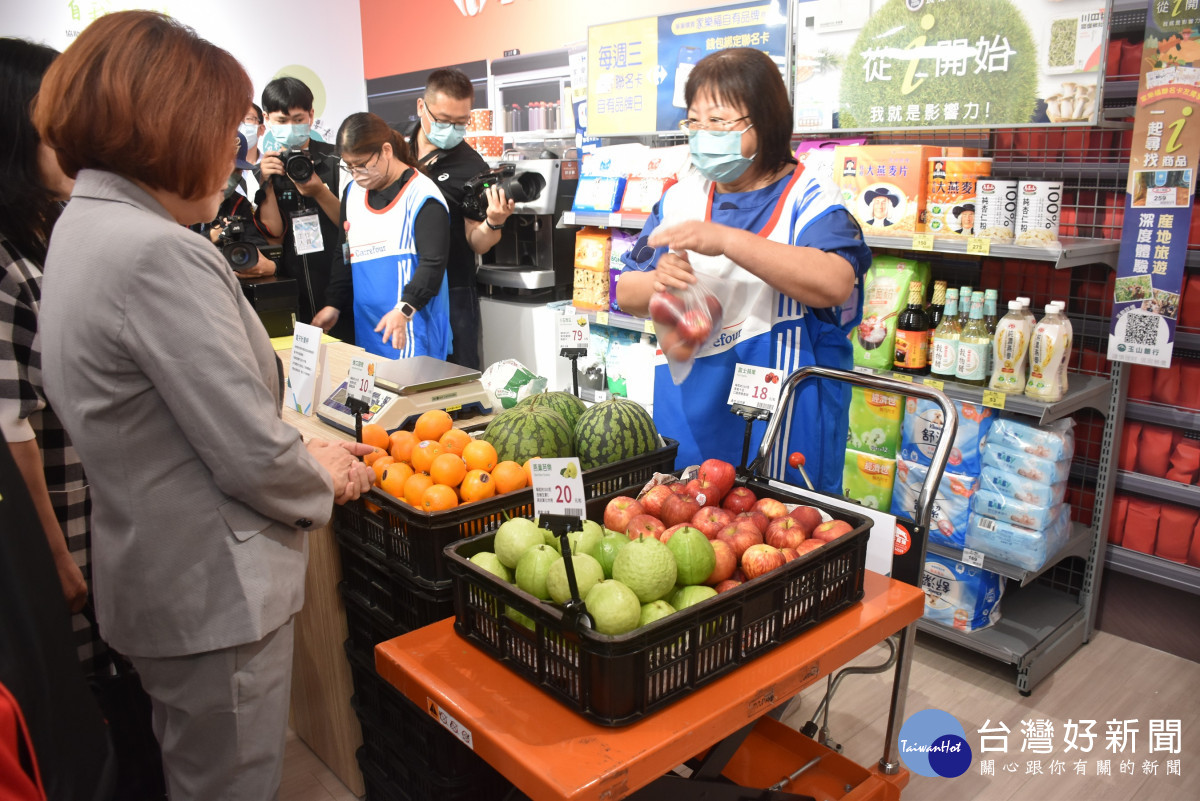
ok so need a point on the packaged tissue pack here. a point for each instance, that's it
(960, 596)
(1010, 510)
(1021, 488)
(1018, 545)
(951, 504)
(1054, 442)
(867, 479)
(922, 428)
(875, 422)
(1042, 471)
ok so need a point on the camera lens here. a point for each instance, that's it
(525, 187)
(299, 168)
(240, 255)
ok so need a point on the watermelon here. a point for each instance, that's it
(528, 430)
(566, 404)
(614, 430)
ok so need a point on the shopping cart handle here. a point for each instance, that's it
(941, 454)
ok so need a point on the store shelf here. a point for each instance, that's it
(1074, 171)
(618, 320)
(1037, 625)
(1152, 568)
(1070, 251)
(1086, 392)
(1161, 489)
(603, 219)
(1187, 340)
(1080, 545)
(1164, 415)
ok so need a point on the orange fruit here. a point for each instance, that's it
(508, 477)
(448, 469)
(438, 497)
(415, 487)
(432, 424)
(529, 470)
(479, 455)
(370, 458)
(378, 465)
(477, 486)
(402, 444)
(455, 440)
(376, 435)
(423, 454)
(394, 476)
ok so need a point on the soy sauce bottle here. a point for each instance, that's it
(938, 307)
(912, 335)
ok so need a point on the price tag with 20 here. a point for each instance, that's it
(558, 487)
(574, 331)
(757, 387)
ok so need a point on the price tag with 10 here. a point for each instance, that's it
(361, 383)
(558, 487)
(756, 387)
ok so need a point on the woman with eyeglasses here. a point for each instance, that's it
(398, 239)
(775, 244)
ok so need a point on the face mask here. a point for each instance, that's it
(443, 135)
(290, 136)
(718, 154)
(250, 131)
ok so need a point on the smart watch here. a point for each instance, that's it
(407, 309)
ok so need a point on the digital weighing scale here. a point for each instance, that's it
(405, 389)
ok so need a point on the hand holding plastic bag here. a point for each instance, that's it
(684, 321)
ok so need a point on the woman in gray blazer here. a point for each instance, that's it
(171, 391)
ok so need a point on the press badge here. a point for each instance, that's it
(306, 234)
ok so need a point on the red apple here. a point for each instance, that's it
(739, 499)
(678, 487)
(738, 575)
(666, 535)
(652, 499)
(704, 491)
(666, 307)
(719, 473)
(695, 327)
(619, 511)
(809, 517)
(789, 554)
(760, 520)
(678, 509)
(727, 585)
(760, 559)
(739, 536)
(711, 519)
(831, 530)
(725, 565)
(771, 507)
(784, 532)
(808, 546)
(644, 525)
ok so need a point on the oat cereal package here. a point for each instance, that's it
(884, 186)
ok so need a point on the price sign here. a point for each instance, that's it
(972, 557)
(558, 487)
(922, 242)
(361, 384)
(449, 723)
(979, 245)
(574, 330)
(648, 327)
(930, 382)
(601, 318)
(993, 398)
(614, 220)
(757, 387)
(905, 377)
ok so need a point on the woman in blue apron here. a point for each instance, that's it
(776, 246)
(397, 240)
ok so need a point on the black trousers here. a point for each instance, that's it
(467, 325)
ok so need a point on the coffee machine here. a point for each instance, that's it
(534, 261)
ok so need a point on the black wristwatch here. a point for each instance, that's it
(407, 309)
(493, 227)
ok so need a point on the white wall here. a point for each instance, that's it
(318, 41)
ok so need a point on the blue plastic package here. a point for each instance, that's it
(1010, 510)
(960, 596)
(1017, 545)
(1021, 488)
(922, 428)
(1042, 471)
(951, 504)
(1054, 442)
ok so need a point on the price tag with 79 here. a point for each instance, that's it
(361, 382)
(558, 487)
(757, 387)
(574, 330)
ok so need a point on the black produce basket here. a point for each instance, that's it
(616, 680)
(402, 599)
(407, 537)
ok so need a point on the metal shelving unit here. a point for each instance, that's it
(614, 219)
(1070, 252)
(618, 320)
(1164, 415)
(1159, 488)
(1153, 568)
(1079, 544)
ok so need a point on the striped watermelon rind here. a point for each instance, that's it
(613, 430)
(526, 431)
(566, 404)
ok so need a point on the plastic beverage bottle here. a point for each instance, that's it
(1046, 354)
(964, 307)
(912, 335)
(990, 297)
(938, 306)
(1010, 347)
(1025, 310)
(1066, 362)
(973, 345)
(943, 358)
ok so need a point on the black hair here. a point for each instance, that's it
(451, 82)
(258, 111)
(28, 209)
(285, 94)
(365, 133)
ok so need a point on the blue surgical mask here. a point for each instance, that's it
(718, 154)
(250, 131)
(289, 135)
(444, 135)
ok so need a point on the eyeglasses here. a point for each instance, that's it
(712, 123)
(461, 127)
(360, 169)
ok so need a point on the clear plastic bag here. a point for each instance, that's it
(685, 320)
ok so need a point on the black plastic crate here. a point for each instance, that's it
(414, 540)
(616, 680)
(393, 593)
(366, 626)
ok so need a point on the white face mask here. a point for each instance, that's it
(250, 131)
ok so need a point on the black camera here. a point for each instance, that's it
(298, 165)
(240, 254)
(521, 187)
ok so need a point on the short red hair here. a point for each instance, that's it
(141, 95)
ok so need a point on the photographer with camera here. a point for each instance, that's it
(436, 139)
(234, 230)
(298, 202)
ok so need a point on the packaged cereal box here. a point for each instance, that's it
(884, 186)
